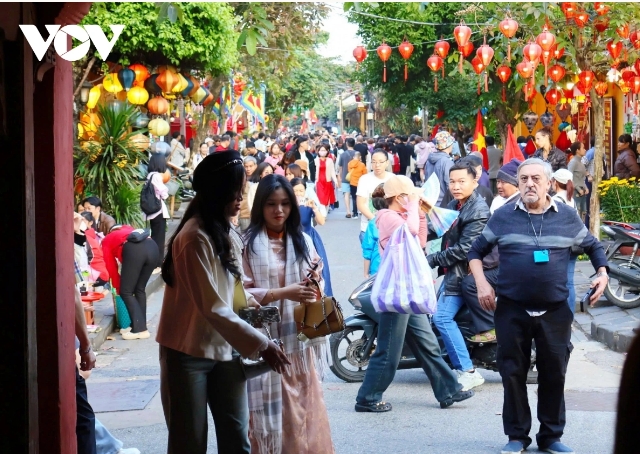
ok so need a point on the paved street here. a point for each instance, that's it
(127, 377)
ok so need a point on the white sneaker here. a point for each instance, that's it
(129, 451)
(125, 330)
(132, 336)
(469, 380)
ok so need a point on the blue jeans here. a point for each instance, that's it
(448, 307)
(360, 237)
(382, 367)
(105, 442)
(572, 289)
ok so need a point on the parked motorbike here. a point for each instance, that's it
(352, 348)
(623, 288)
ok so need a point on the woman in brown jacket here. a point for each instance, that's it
(626, 165)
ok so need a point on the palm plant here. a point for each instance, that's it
(108, 166)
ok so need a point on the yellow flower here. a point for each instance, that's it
(632, 179)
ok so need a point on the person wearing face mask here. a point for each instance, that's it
(403, 208)
(325, 178)
(473, 216)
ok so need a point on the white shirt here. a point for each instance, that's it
(499, 201)
(261, 145)
(366, 185)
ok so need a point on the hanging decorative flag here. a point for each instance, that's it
(479, 143)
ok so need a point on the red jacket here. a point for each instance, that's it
(97, 262)
(112, 250)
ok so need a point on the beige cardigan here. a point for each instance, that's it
(330, 172)
(197, 315)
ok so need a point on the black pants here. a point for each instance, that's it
(515, 330)
(354, 198)
(158, 227)
(138, 262)
(483, 320)
(85, 419)
(589, 185)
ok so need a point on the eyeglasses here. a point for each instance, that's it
(377, 163)
(535, 178)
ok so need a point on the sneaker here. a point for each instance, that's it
(355, 216)
(131, 336)
(378, 407)
(513, 447)
(125, 330)
(457, 397)
(558, 448)
(129, 451)
(469, 380)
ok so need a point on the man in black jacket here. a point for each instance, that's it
(404, 153)
(472, 217)
(362, 148)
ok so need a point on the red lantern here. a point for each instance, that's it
(508, 27)
(627, 74)
(601, 88)
(405, 49)
(142, 73)
(478, 67)
(623, 31)
(614, 47)
(635, 85)
(462, 34)
(530, 91)
(587, 78)
(532, 52)
(384, 52)
(636, 65)
(557, 52)
(466, 49)
(601, 8)
(581, 18)
(485, 54)
(525, 69)
(569, 9)
(601, 24)
(503, 72)
(546, 40)
(435, 62)
(552, 96)
(442, 48)
(158, 106)
(359, 53)
(556, 72)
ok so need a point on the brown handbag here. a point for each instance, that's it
(320, 318)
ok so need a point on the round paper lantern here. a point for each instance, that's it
(614, 48)
(503, 72)
(634, 37)
(466, 49)
(600, 8)
(525, 69)
(508, 27)
(627, 74)
(552, 96)
(181, 85)
(141, 120)
(636, 66)
(435, 62)
(601, 88)
(151, 86)
(196, 85)
(601, 24)
(138, 96)
(569, 9)
(442, 48)
(184, 93)
(546, 40)
(623, 31)
(170, 68)
(158, 105)
(462, 34)
(208, 98)
(558, 52)
(126, 77)
(166, 80)
(624, 86)
(556, 73)
(199, 95)
(359, 53)
(485, 54)
(140, 141)
(477, 64)
(159, 127)
(530, 91)
(634, 84)
(141, 71)
(94, 96)
(405, 49)
(111, 83)
(581, 18)
(532, 52)
(587, 78)
(384, 52)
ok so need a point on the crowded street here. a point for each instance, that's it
(416, 424)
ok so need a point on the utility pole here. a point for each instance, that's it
(341, 114)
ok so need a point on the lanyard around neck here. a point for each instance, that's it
(536, 236)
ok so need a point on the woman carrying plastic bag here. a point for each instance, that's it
(401, 266)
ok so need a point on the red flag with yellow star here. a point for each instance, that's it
(478, 143)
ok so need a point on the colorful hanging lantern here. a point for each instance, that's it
(532, 51)
(601, 88)
(581, 18)
(467, 49)
(601, 24)
(158, 106)
(508, 27)
(126, 77)
(208, 98)
(634, 84)
(623, 31)
(384, 52)
(546, 40)
(558, 52)
(635, 39)
(166, 80)
(586, 78)
(94, 96)
(569, 9)
(181, 85)
(503, 72)
(196, 85)
(530, 92)
(405, 49)
(552, 96)
(600, 8)
(111, 83)
(151, 86)
(462, 34)
(636, 66)
(478, 67)
(485, 53)
(556, 73)
(359, 53)
(141, 71)
(627, 74)
(525, 69)
(442, 48)
(184, 93)
(435, 62)
(138, 96)
(624, 86)
(159, 127)
(614, 48)
(200, 95)
(140, 141)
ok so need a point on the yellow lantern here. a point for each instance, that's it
(111, 83)
(169, 68)
(182, 84)
(159, 127)
(199, 95)
(94, 96)
(140, 141)
(138, 96)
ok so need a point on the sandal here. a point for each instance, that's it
(378, 407)
(486, 337)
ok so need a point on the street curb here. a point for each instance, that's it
(617, 337)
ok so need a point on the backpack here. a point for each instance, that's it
(149, 203)
(396, 164)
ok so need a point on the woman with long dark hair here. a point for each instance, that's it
(300, 150)
(288, 414)
(626, 165)
(158, 221)
(199, 332)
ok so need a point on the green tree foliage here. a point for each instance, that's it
(205, 38)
